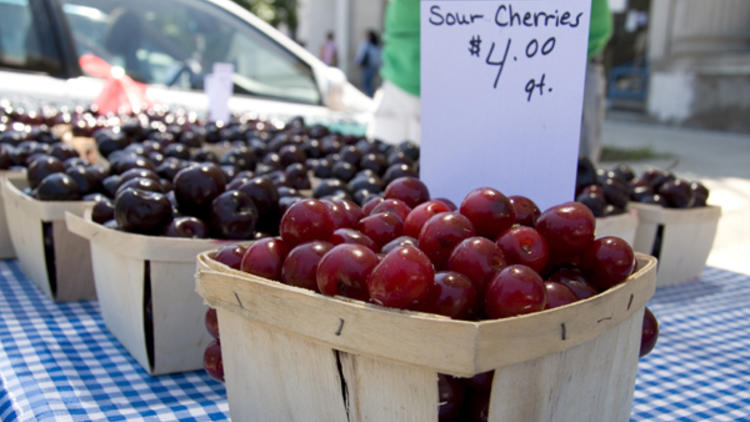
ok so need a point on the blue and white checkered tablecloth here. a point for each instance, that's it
(59, 362)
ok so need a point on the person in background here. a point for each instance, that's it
(369, 59)
(397, 109)
(594, 92)
(328, 52)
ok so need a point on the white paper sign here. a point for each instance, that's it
(218, 87)
(502, 91)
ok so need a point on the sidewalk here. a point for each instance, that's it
(720, 160)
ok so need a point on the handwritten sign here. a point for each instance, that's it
(218, 87)
(502, 92)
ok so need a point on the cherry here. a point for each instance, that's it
(301, 264)
(608, 261)
(42, 167)
(231, 256)
(478, 258)
(420, 214)
(410, 190)
(489, 211)
(677, 193)
(103, 210)
(369, 204)
(306, 220)
(452, 294)
(195, 187)
(402, 278)
(142, 211)
(526, 210)
(441, 233)
(233, 215)
(700, 194)
(649, 333)
(399, 241)
(568, 229)
(574, 279)
(186, 226)
(344, 270)
(381, 227)
(351, 212)
(558, 294)
(212, 323)
(58, 187)
(265, 258)
(515, 290)
(524, 245)
(212, 361)
(450, 396)
(346, 235)
(394, 205)
(447, 203)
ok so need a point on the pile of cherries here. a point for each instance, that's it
(491, 257)
(607, 192)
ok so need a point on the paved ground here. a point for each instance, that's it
(720, 160)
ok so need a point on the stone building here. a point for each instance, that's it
(699, 60)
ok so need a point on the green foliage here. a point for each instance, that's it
(275, 12)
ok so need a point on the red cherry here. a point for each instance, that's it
(399, 241)
(394, 205)
(408, 189)
(345, 235)
(212, 361)
(649, 333)
(441, 233)
(212, 323)
(526, 210)
(382, 227)
(369, 205)
(304, 221)
(452, 294)
(524, 245)
(265, 257)
(351, 210)
(420, 214)
(337, 213)
(344, 270)
(568, 229)
(574, 279)
(515, 290)
(608, 261)
(489, 211)
(301, 265)
(231, 256)
(558, 294)
(447, 203)
(478, 258)
(402, 278)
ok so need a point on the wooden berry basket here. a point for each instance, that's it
(687, 236)
(622, 225)
(294, 355)
(6, 243)
(128, 269)
(55, 260)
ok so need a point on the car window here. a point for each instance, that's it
(176, 42)
(26, 42)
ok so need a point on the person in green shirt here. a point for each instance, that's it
(397, 114)
(594, 91)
